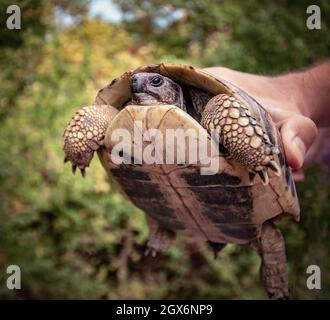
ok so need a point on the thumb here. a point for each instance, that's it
(298, 134)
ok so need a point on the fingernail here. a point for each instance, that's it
(300, 150)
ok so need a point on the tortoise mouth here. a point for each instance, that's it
(143, 98)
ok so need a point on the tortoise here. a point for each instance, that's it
(239, 203)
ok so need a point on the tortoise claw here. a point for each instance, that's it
(151, 252)
(274, 167)
(264, 177)
(252, 176)
(83, 172)
(272, 296)
(74, 168)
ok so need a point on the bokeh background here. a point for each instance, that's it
(78, 238)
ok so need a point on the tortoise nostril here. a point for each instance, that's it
(134, 84)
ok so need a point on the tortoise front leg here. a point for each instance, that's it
(85, 134)
(159, 239)
(241, 135)
(273, 271)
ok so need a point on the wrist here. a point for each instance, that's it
(313, 93)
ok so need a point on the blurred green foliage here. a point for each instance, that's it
(76, 238)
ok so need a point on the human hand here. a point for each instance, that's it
(290, 106)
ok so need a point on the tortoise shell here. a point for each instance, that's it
(225, 207)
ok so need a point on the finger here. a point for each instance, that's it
(298, 175)
(298, 134)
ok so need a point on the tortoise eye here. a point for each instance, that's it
(157, 81)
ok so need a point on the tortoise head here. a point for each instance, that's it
(148, 88)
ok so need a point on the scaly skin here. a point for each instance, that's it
(85, 134)
(273, 272)
(241, 134)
